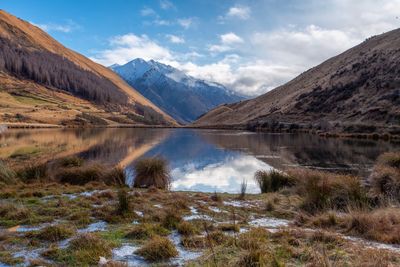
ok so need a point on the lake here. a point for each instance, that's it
(199, 160)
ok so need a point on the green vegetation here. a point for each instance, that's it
(158, 249)
(152, 172)
(322, 191)
(84, 250)
(53, 233)
(272, 181)
(7, 175)
(71, 162)
(81, 175)
(331, 204)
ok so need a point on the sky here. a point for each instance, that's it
(249, 46)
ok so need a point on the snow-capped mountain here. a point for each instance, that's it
(183, 97)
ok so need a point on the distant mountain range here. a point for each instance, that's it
(41, 81)
(356, 91)
(181, 96)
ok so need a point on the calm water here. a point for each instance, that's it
(200, 160)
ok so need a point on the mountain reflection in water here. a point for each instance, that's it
(200, 160)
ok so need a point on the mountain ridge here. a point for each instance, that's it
(355, 91)
(26, 42)
(183, 97)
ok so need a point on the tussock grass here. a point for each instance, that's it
(381, 225)
(158, 249)
(171, 219)
(390, 159)
(81, 175)
(152, 172)
(385, 178)
(123, 206)
(187, 229)
(324, 191)
(272, 181)
(115, 177)
(83, 250)
(13, 214)
(7, 175)
(145, 231)
(53, 233)
(33, 173)
(69, 162)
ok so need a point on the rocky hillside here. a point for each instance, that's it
(42, 81)
(356, 91)
(181, 96)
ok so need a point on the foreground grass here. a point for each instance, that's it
(218, 226)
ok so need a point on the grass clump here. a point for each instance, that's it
(152, 172)
(33, 173)
(272, 181)
(81, 175)
(13, 214)
(123, 206)
(158, 249)
(171, 219)
(69, 162)
(7, 175)
(253, 258)
(390, 159)
(54, 233)
(146, 231)
(187, 229)
(382, 225)
(115, 177)
(328, 191)
(385, 178)
(84, 250)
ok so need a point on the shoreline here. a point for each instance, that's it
(357, 135)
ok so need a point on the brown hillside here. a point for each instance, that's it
(65, 72)
(356, 91)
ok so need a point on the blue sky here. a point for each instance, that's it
(250, 46)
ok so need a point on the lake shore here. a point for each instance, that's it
(76, 215)
(327, 134)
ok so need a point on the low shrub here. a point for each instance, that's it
(158, 249)
(152, 172)
(272, 181)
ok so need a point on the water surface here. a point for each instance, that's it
(200, 160)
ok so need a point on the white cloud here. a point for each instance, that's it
(230, 38)
(146, 11)
(165, 4)
(186, 22)
(225, 176)
(130, 46)
(240, 12)
(52, 27)
(219, 48)
(162, 22)
(175, 39)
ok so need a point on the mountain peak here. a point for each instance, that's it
(180, 95)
